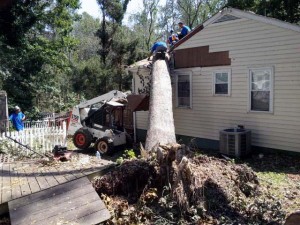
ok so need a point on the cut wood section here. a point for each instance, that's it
(161, 122)
(75, 202)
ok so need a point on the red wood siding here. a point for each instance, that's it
(200, 57)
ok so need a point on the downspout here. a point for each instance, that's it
(134, 113)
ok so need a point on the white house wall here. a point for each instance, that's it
(250, 44)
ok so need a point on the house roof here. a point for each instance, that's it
(142, 64)
(240, 14)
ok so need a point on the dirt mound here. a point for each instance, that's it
(171, 188)
(129, 179)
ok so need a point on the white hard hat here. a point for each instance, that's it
(17, 107)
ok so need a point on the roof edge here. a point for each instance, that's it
(264, 19)
(238, 13)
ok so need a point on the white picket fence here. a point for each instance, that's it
(40, 136)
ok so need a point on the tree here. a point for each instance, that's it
(146, 24)
(195, 12)
(113, 12)
(286, 10)
(168, 18)
(118, 43)
(85, 32)
(189, 10)
(34, 48)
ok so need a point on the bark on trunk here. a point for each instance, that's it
(160, 121)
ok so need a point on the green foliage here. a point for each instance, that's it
(195, 12)
(288, 11)
(118, 44)
(34, 48)
(147, 23)
(128, 154)
(112, 15)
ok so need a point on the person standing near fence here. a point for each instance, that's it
(17, 118)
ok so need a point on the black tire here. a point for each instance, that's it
(82, 139)
(103, 146)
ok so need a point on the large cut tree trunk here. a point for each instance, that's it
(160, 122)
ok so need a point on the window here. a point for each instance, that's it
(261, 90)
(184, 90)
(221, 83)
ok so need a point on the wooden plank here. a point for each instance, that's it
(48, 174)
(6, 188)
(66, 173)
(25, 188)
(41, 180)
(28, 214)
(75, 202)
(78, 173)
(15, 182)
(93, 218)
(77, 213)
(60, 189)
(103, 165)
(33, 183)
(58, 176)
(38, 206)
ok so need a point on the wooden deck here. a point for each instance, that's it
(18, 179)
(74, 202)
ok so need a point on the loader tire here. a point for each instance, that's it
(82, 139)
(103, 146)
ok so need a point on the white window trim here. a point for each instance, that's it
(214, 82)
(187, 73)
(271, 107)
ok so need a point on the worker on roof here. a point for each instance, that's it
(173, 38)
(158, 47)
(184, 30)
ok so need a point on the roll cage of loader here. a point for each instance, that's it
(101, 121)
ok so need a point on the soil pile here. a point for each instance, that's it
(171, 188)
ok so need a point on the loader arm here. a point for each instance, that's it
(102, 98)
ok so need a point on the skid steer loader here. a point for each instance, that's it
(101, 121)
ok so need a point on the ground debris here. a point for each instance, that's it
(174, 188)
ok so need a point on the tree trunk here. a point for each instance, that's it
(160, 121)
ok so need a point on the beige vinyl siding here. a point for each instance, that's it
(141, 116)
(250, 44)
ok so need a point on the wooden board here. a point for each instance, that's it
(18, 179)
(74, 202)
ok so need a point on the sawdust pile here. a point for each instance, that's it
(177, 188)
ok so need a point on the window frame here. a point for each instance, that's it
(271, 104)
(186, 73)
(228, 71)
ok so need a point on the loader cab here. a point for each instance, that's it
(106, 116)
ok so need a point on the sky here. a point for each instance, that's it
(92, 8)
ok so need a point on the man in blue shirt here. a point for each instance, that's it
(17, 119)
(159, 46)
(184, 30)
